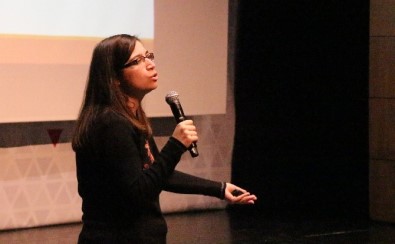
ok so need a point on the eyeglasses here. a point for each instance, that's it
(139, 59)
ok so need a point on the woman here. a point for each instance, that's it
(120, 170)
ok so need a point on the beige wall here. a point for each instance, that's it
(382, 110)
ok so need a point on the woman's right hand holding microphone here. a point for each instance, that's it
(185, 132)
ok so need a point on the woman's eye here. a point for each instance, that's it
(135, 62)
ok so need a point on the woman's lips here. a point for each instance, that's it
(155, 77)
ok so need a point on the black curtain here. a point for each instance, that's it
(301, 100)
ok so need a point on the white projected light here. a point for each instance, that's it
(93, 18)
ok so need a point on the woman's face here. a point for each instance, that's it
(139, 72)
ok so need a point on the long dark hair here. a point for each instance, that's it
(101, 92)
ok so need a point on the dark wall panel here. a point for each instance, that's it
(301, 100)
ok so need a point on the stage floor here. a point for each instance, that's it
(222, 226)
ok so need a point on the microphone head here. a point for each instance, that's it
(171, 97)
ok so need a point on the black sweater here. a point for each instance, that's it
(120, 185)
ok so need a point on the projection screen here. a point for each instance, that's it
(46, 48)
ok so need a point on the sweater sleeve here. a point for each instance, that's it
(180, 182)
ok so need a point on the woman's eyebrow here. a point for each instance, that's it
(139, 55)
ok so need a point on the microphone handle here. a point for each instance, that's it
(179, 116)
(193, 150)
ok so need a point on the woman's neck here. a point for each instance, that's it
(133, 104)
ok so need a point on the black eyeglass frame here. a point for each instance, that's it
(139, 59)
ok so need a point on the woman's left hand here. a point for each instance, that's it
(244, 198)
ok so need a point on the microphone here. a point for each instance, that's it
(178, 113)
